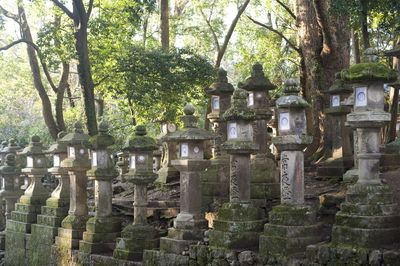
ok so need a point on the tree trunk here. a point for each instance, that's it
(34, 64)
(85, 76)
(164, 24)
(60, 97)
(355, 46)
(364, 22)
(394, 101)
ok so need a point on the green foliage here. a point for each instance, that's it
(157, 84)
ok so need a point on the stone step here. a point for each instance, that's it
(96, 248)
(19, 227)
(367, 222)
(20, 207)
(100, 237)
(236, 240)
(54, 211)
(49, 220)
(176, 246)
(291, 231)
(368, 209)
(239, 226)
(24, 217)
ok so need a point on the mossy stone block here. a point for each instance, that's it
(49, 220)
(19, 227)
(23, 217)
(291, 215)
(98, 248)
(239, 226)
(267, 191)
(77, 222)
(236, 240)
(263, 170)
(367, 209)
(103, 225)
(367, 222)
(54, 211)
(16, 246)
(239, 212)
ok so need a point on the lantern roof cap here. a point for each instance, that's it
(221, 86)
(140, 141)
(257, 81)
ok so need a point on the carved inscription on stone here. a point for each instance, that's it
(286, 192)
(234, 186)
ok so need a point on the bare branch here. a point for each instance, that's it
(89, 11)
(102, 80)
(280, 34)
(63, 8)
(212, 30)
(9, 14)
(287, 9)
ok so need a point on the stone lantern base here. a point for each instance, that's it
(46, 229)
(167, 174)
(238, 226)
(290, 229)
(18, 230)
(71, 231)
(264, 180)
(390, 159)
(100, 235)
(367, 223)
(134, 240)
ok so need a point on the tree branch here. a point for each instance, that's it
(287, 9)
(292, 45)
(230, 32)
(9, 14)
(89, 11)
(63, 8)
(212, 31)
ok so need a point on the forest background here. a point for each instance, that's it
(138, 62)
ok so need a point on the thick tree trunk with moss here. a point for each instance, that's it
(164, 24)
(324, 42)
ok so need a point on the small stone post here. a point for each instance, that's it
(102, 229)
(140, 235)
(239, 223)
(215, 180)
(9, 173)
(123, 164)
(167, 172)
(77, 163)
(341, 159)
(55, 210)
(26, 211)
(190, 224)
(291, 224)
(368, 218)
(263, 168)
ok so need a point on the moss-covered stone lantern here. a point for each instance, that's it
(10, 173)
(167, 172)
(291, 224)
(102, 229)
(341, 159)
(190, 223)
(140, 235)
(77, 163)
(239, 223)
(55, 210)
(216, 177)
(369, 201)
(263, 168)
(26, 211)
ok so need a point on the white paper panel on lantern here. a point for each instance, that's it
(56, 160)
(335, 100)
(29, 161)
(232, 131)
(71, 152)
(215, 103)
(94, 159)
(250, 99)
(133, 163)
(361, 96)
(284, 121)
(141, 158)
(184, 150)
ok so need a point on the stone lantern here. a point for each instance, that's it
(9, 173)
(239, 223)
(26, 211)
(102, 229)
(157, 154)
(341, 159)
(55, 210)
(167, 172)
(263, 168)
(3, 145)
(190, 223)
(77, 163)
(123, 163)
(215, 180)
(368, 217)
(140, 235)
(291, 224)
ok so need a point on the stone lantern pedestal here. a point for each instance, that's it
(341, 159)
(102, 229)
(263, 168)
(190, 224)
(140, 235)
(77, 163)
(55, 210)
(18, 228)
(215, 179)
(292, 224)
(239, 222)
(369, 218)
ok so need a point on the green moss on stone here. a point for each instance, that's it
(369, 72)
